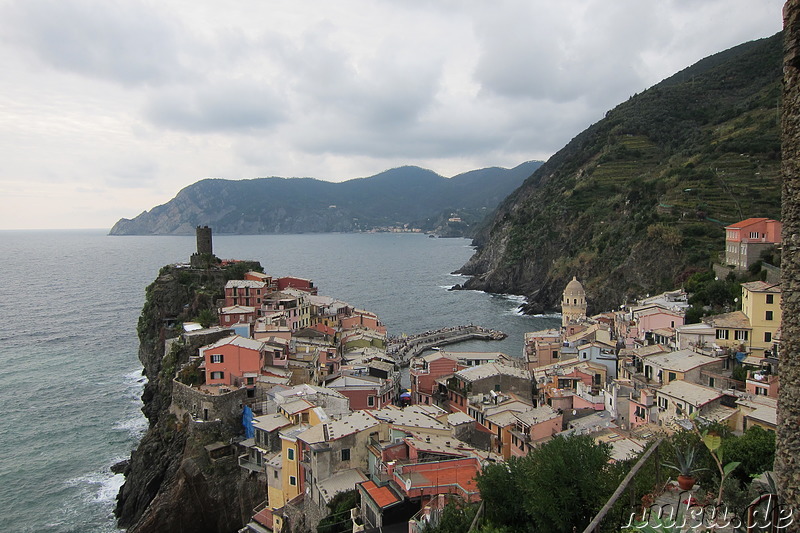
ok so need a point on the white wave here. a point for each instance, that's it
(136, 426)
(446, 287)
(100, 487)
(134, 377)
(548, 315)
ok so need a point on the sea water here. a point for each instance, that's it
(70, 380)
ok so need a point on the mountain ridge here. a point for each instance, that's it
(406, 195)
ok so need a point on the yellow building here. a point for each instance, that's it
(761, 303)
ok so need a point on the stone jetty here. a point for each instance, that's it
(403, 349)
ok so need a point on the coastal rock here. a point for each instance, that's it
(171, 484)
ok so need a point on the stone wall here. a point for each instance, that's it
(787, 456)
(205, 408)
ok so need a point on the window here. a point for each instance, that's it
(767, 336)
(710, 382)
(218, 375)
(216, 358)
(770, 298)
(290, 454)
(293, 481)
(722, 334)
(275, 474)
(671, 376)
(769, 315)
(371, 401)
(345, 454)
(740, 335)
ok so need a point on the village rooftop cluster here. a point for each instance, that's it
(319, 383)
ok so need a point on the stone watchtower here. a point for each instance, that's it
(204, 257)
(573, 302)
(204, 240)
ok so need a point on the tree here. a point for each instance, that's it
(559, 486)
(755, 450)
(339, 519)
(206, 317)
(455, 519)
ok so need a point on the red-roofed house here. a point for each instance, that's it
(745, 240)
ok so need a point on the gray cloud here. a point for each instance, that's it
(124, 42)
(139, 98)
(234, 106)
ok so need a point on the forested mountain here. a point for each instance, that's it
(406, 195)
(638, 201)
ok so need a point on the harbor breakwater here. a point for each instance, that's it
(403, 349)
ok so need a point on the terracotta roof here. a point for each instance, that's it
(746, 222)
(380, 495)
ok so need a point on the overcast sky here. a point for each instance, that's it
(110, 107)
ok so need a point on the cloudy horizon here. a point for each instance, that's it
(110, 108)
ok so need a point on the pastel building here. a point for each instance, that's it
(425, 370)
(745, 240)
(233, 361)
(246, 292)
(542, 348)
(761, 303)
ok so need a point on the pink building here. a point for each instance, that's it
(642, 408)
(761, 384)
(364, 392)
(745, 240)
(542, 348)
(424, 371)
(363, 319)
(288, 282)
(245, 292)
(236, 314)
(534, 426)
(234, 361)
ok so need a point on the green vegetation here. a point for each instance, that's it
(339, 519)
(533, 493)
(639, 200)
(563, 483)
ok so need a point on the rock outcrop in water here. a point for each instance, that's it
(170, 482)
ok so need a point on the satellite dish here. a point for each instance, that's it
(574, 412)
(408, 484)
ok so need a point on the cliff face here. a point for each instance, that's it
(170, 483)
(639, 201)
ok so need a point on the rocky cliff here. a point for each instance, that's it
(170, 482)
(639, 200)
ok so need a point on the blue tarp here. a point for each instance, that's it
(247, 422)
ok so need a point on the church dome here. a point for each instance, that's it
(574, 288)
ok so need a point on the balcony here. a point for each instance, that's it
(246, 462)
